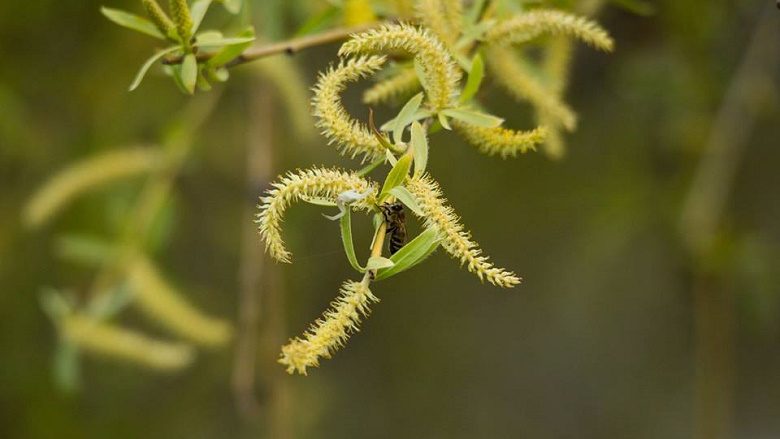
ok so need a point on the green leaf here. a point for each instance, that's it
(198, 11)
(370, 167)
(476, 74)
(346, 239)
(396, 175)
(420, 145)
(132, 21)
(473, 15)
(390, 157)
(444, 122)
(378, 262)
(406, 116)
(54, 304)
(406, 197)
(109, 303)
(422, 113)
(412, 253)
(148, 64)
(66, 370)
(232, 6)
(210, 41)
(230, 52)
(472, 117)
(189, 73)
(84, 249)
(208, 35)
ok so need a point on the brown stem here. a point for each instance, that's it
(289, 47)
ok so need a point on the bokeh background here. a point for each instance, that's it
(622, 328)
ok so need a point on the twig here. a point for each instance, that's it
(289, 47)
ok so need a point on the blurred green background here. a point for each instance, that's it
(618, 331)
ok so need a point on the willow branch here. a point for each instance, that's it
(289, 47)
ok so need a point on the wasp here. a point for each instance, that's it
(395, 217)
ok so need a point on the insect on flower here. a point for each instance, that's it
(395, 217)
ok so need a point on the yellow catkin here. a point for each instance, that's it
(88, 174)
(161, 302)
(442, 17)
(455, 239)
(515, 75)
(350, 136)
(555, 66)
(501, 141)
(159, 18)
(527, 26)
(442, 75)
(111, 341)
(402, 84)
(315, 183)
(180, 11)
(329, 333)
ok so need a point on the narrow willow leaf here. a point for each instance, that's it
(370, 167)
(54, 304)
(406, 197)
(406, 116)
(412, 253)
(208, 35)
(148, 64)
(378, 262)
(221, 42)
(175, 72)
(474, 117)
(390, 157)
(420, 145)
(198, 11)
(230, 52)
(476, 74)
(189, 73)
(132, 21)
(444, 122)
(109, 303)
(84, 249)
(346, 239)
(67, 376)
(396, 175)
(232, 6)
(421, 114)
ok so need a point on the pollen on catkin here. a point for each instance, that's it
(401, 84)
(159, 18)
(349, 135)
(501, 141)
(157, 298)
(315, 183)
(516, 77)
(527, 26)
(329, 333)
(111, 341)
(455, 239)
(442, 75)
(180, 11)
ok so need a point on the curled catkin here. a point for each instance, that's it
(455, 239)
(441, 73)
(530, 25)
(330, 332)
(314, 183)
(350, 136)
